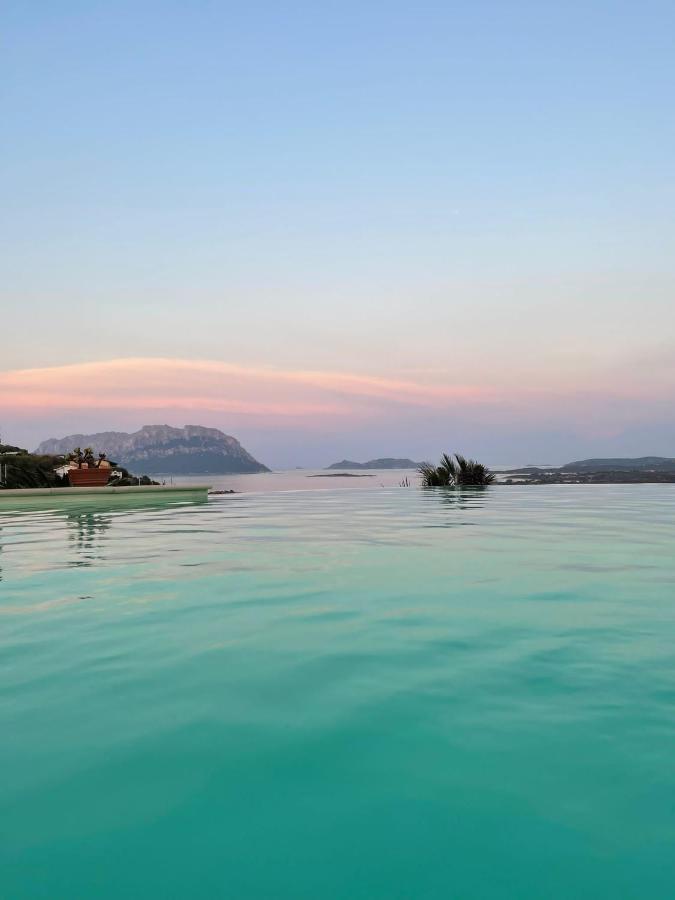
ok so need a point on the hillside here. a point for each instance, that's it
(164, 450)
(21, 469)
(610, 470)
(637, 464)
(386, 462)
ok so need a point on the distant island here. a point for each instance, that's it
(609, 470)
(616, 464)
(386, 462)
(343, 475)
(612, 470)
(164, 450)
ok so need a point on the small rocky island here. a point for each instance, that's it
(386, 462)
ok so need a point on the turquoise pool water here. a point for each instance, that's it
(346, 694)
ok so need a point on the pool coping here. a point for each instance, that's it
(72, 493)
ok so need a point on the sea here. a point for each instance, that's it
(340, 689)
(296, 480)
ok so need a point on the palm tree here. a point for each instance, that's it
(436, 476)
(455, 472)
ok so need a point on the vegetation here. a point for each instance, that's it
(455, 472)
(21, 469)
(79, 458)
(10, 448)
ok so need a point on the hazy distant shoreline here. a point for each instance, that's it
(342, 475)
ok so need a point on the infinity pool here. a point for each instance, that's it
(366, 695)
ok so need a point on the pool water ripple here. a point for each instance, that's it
(382, 693)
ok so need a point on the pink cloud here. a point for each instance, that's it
(225, 393)
(178, 384)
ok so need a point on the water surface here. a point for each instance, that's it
(376, 693)
(298, 479)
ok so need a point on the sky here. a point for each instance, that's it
(348, 229)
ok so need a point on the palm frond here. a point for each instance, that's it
(434, 476)
(448, 464)
(458, 471)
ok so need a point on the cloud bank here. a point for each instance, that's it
(202, 385)
(302, 416)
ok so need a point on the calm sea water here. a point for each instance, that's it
(380, 693)
(298, 480)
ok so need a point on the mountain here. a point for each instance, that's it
(386, 462)
(163, 450)
(637, 464)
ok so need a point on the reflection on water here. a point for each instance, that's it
(455, 500)
(78, 528)
(86, 531)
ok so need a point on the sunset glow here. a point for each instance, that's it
(381, 234)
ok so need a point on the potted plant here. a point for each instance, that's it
(84, 471)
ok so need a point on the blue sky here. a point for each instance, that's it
(478, 193)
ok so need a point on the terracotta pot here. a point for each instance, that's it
(88, 477)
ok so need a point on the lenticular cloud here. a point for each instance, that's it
(177, 384)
